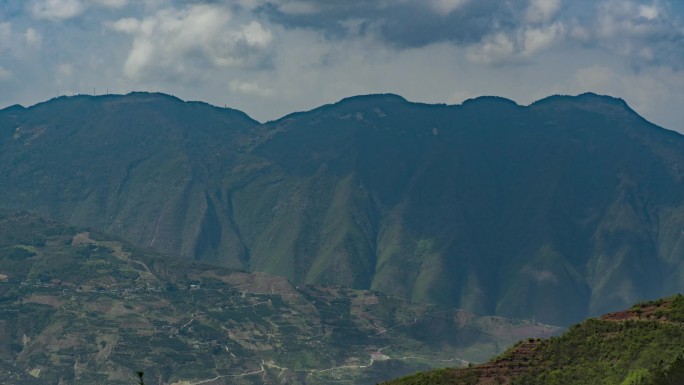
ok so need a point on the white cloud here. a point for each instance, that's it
(56, 9)
(540, 11)
(537, 39)
(249, 88)
(627, 19)
(502, 47)
(5, 74)
(250, 4)
(5, 35)
(580, 32)
(255, 34)
(110, 3)
(595, 78)
(649, 12)
(647, 91)
(33, 37)
(5, 31)
(646, 34)
(298, 8)
(185, 43)
(65, 80)
(65, 70)
(445, 7)
(128, 25)
(493, 49)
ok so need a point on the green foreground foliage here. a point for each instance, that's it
(642, 346)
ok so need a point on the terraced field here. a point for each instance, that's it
(82, 308)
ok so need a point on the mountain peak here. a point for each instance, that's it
(587, 97)
(384, 98)
(135, 99)
(150, 96)
(14, 107)
(362, 101)
(589, 101)
(359, 102)
(489, 100)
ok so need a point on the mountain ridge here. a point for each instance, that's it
(558, 210)
(373, 97)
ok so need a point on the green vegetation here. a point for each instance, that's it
(642, 346)
(560, 210)
(570, 207)
(84, 308)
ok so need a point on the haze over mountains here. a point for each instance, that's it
(569, 207)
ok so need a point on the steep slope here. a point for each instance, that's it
(643, 346)
(145, 166)
(569, 207)
(85, 308)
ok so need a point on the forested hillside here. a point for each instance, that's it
(569, 207)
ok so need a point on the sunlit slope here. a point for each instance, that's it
(641, 346)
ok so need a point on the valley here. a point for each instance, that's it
(83, 308)
(353, 243)
(321, 192)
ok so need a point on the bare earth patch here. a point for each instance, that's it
(44, 300)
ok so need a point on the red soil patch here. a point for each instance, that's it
(645, 312)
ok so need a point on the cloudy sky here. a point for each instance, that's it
(272, 57)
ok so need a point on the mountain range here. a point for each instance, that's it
(570, 207)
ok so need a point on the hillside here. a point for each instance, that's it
(79, 307)
(145, 166)
(567, 208)
(642, 346)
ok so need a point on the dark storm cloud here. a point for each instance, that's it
(649, 34)
(271, 57)
(403, 24)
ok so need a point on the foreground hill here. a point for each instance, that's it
(569, 207)
(642, 346)
(84, 308)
